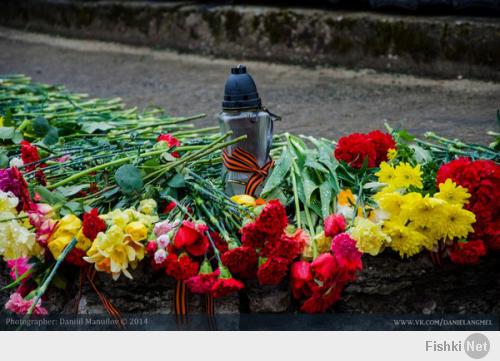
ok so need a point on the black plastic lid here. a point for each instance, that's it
(240, 91)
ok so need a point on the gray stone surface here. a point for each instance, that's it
(440, 45)
(320, 102)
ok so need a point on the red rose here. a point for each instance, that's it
(192, 237)
(346, 253)
(180, 268)
(225, 286)
(382, 142)
(300, 279)
(467, 252)
(272, 271)
(272, 219)
(241, 261)
(92, 224)
(324, 267)
(202, 282)
(171, 141)
(334, 224)
(322, 299)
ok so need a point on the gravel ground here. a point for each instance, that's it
(322, 102)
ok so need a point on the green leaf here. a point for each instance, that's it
(325, 193)
(405, 135)
(129, 179)
(50, 197)
(52, 136)
(72, 208)
(7, 133)
(421, 155)
(41, 126)
(312, 163)
(71, 190)
(92, 127)
(277, 193)
(4, 159)
(167, 157)
(308, 183)
(280, 170)
(177, 181)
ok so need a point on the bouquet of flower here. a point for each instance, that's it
(93, 186)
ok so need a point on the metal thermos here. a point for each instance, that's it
(243, 114)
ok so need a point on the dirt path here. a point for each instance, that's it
(321, 102)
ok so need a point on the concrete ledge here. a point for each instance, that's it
(444, 46)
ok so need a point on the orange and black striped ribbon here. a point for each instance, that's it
(242, 161)
(110, 308)
(210, 309)
(181, 304)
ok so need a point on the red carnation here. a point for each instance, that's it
(225, 286)
(346, 253)
(272, 271)
(180, 268)
(382, 142)
(220, 243)
(324, 267)
(171, 141)
(169, 207)
(287, 246)
(334, 224)
(272, 219)
(467, 252)
(151, 248)
(29, 154)
(75, 257)
(191, 236)
(354, 149)
(252, 236)
(241, 261)
(202, 282)
(92, 224)
(300, 279)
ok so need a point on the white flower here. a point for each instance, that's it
(160, 256)
(16, 162)
(163, 241)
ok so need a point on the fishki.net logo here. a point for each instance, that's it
(475, 345)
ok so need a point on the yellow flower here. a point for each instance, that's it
(323, 243)
(406, 241)
(113, 252)
(407, 176)
(137, 231)
(392, 154)
(244, 200)
(368, 236)
(118, 218)
(83, 242)
(65, 231)
(147, 206)
(386, 174)
(451, 193)
(456, 222)
(1, 121)
(424, 211)
(432, 233)
(391, 203)
(346, 198)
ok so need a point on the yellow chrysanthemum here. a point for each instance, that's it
(404, 240)
(244, 200)
(407, 176)
(65, 231)
(453, 194)
(386, 174)
(392, 154)
(424, 211)
(368, 236)
(456, 222)
(432, 233)
(391, 203)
